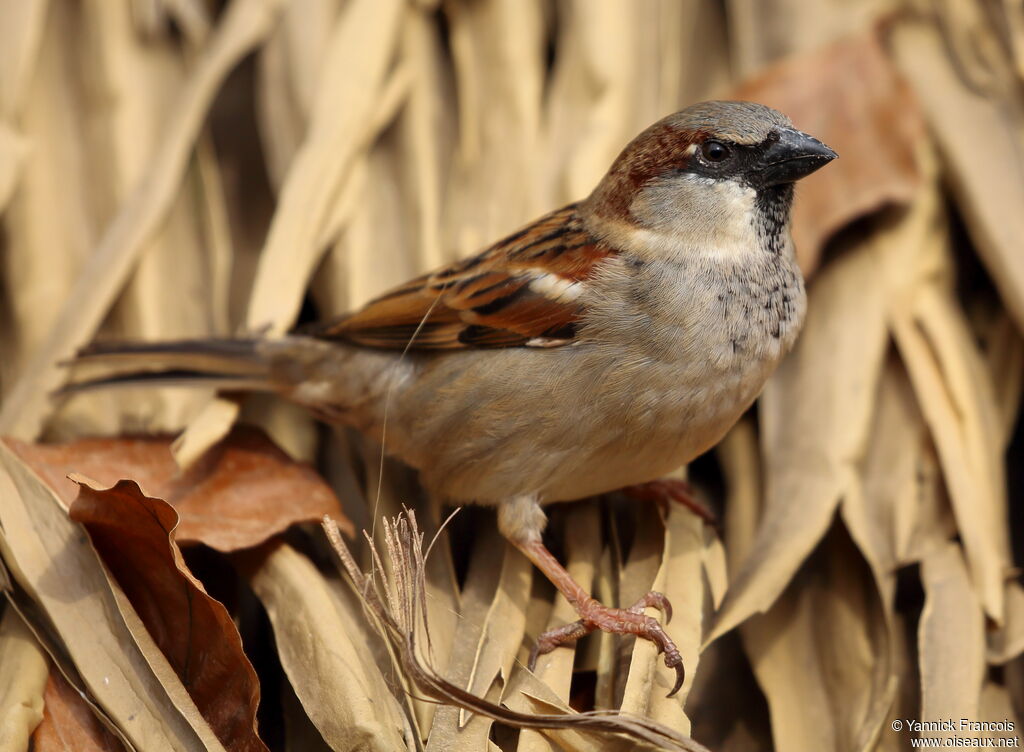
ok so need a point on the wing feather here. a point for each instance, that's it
(524, 291)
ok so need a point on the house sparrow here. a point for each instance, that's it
(601, 346)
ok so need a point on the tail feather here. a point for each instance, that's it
(230, 364)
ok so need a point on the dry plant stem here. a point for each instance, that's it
(400, 609)
(594, 615)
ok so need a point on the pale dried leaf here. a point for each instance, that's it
(22, 681)
(816, 655)
(243, 26)
(21, 29)
(680, 578)
(989, 199)
(354, 69)
(951, 637)
(502, 628)
(740, 457)
(13, 150)
(582, 544)
(396, 602)
(213, 422)
(320, 648)
(497, 52)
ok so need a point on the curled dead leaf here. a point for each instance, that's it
(240, 493)
(134, 535)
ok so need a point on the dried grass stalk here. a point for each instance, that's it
(396, 601)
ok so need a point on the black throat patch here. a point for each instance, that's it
(772, 216)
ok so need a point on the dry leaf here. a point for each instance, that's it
(242, 491)
(242, 27)
(821, 653)
(22, 681)
(320, 643)
(355, 66)
(583, 545)
(501, 629)
(679, 578)
(396, 601)
(121, 667)
(952, 386)
(478, 592)
(951, 638)
(135, 536)
(989, 198)
(69, 724)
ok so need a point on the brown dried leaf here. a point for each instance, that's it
(69, 724)
(120, 666)
(237, 495)
(850, 96)
(135, 536)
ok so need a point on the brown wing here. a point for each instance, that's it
(523, 291)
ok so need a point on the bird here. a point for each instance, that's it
(603, 345)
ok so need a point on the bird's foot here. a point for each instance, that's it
(632, 620)
(675, 490)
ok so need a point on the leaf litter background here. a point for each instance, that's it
(182, 168)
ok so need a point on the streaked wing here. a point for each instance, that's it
(523, 291)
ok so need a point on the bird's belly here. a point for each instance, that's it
(680, 414)
(562, 426)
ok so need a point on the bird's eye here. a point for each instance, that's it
(714, 151)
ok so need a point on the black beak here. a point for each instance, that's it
(793, 156)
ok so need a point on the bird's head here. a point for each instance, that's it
(706, 178)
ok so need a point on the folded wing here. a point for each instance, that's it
(524, 291)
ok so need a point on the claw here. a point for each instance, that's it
(674, 660)
(534, 653)
(653, 599)
(680, 678)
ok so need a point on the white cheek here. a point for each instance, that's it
(720, 219)
(737, 204)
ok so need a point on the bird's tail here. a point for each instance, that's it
(228, 364)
